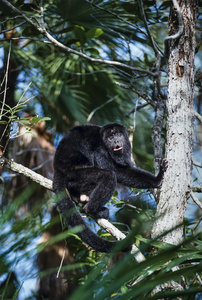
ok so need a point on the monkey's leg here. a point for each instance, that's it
(101, 193)
(98, 185)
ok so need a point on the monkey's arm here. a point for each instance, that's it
(138, 178)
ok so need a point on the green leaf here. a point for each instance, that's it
(35, 120)
(93, 33)
(46, 119)
(23, 122)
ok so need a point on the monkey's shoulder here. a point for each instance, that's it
(83, 138)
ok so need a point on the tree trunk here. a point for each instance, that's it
(175, 187)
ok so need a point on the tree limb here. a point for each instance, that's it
(196, 188)
(197, 164)
(195, 199)
(48, 184)
(198, 116)
(15, 167)
(154, 46)
(142, 95)
(66, 49)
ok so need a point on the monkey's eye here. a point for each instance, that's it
(110, 138)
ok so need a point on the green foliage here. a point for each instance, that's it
(129, 280)
(11, 116)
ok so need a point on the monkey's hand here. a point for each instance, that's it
(164, 165)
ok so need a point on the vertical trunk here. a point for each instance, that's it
(173, 195)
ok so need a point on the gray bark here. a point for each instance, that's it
(175, 187)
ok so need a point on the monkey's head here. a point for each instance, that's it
(115, 138)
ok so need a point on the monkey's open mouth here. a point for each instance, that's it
(117, 148)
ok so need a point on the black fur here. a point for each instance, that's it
(90, 160)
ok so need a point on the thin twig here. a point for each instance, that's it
(99, 107)
(33, 150)
(61, 263)
(196, 188)
(197, 164)
(195, 199)
(10, 18)
(24, 92)
(6, 82)
(142, 95)
(154, 46)
(19, 104)
(14, 27)
(42, 164)
(198, 116)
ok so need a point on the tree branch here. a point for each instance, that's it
(198, 116)
(154, 46)
(196, 188)
(142, 95)
(66, 49)
(15, 167)
(48, 184)
(195, 199)
(197, 164)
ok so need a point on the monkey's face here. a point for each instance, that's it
(115, 142)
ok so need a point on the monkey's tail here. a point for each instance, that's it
(73, 218)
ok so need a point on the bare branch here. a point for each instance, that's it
(195, 199)
(15, 167)
(138, 107)
(154, 46)
(197, 164)
(196, 188)
(198, 116)
(120, 236)
(6, 81)
(142, 95)
(66, 49)
(11, 28)
(99, 107)
(47, 183)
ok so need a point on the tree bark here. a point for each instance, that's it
(175, 187)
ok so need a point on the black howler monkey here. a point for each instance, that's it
(89, 162)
